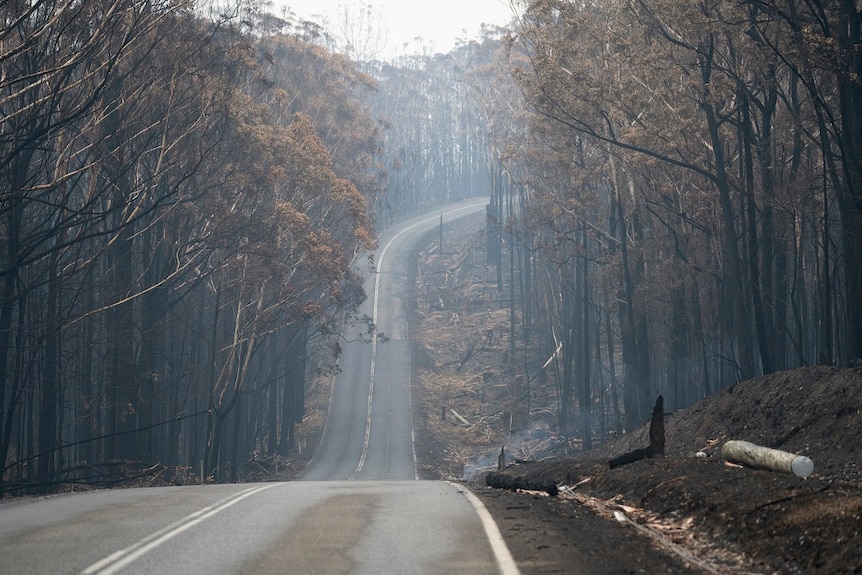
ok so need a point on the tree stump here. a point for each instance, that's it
(656, 439)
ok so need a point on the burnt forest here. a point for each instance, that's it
(190, 194)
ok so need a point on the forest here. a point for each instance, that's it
(674, 206)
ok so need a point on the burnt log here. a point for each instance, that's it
(514, 483)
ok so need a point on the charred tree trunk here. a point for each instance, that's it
(293, 398)
(50, 388)
(585, 386)
(123, 400)
(656, 439)
(738, 320)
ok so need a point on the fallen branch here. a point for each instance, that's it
(759, 457)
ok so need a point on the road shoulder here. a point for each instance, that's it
(551, 535)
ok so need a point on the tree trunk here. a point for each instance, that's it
(585, 384)
(50, 388)
(123, 400)
(235, 438)
(569, 314)
(756, 280)
(293, 398)
(9, 296)
(635, 356)
(612, 370)
(738, 319)
(849, 34)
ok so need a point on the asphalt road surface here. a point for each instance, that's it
(360, 508)
(369, 431)
(329, 527)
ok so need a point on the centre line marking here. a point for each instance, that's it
(119, 559)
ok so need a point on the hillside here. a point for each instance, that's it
(779, 522)
(720, 518)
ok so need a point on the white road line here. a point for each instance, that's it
(504, 558)
(119, 559)
(410, 408)
(379, 265)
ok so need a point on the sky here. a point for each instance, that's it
(439, 21)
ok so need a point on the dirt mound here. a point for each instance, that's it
(780, 522)
(815, 412)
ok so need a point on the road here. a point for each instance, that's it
(295, 527)
(369, 431)
(359, 509)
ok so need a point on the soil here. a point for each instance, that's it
(687, 512)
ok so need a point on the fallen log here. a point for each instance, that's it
(759, 457)
(513, 483)
(458, 417)
(656, 439)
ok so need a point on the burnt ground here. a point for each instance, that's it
(678, 514)
(732, 518)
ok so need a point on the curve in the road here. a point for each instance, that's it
(360, 383)
(458, 212)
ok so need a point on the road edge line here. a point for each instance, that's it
(505, 560)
